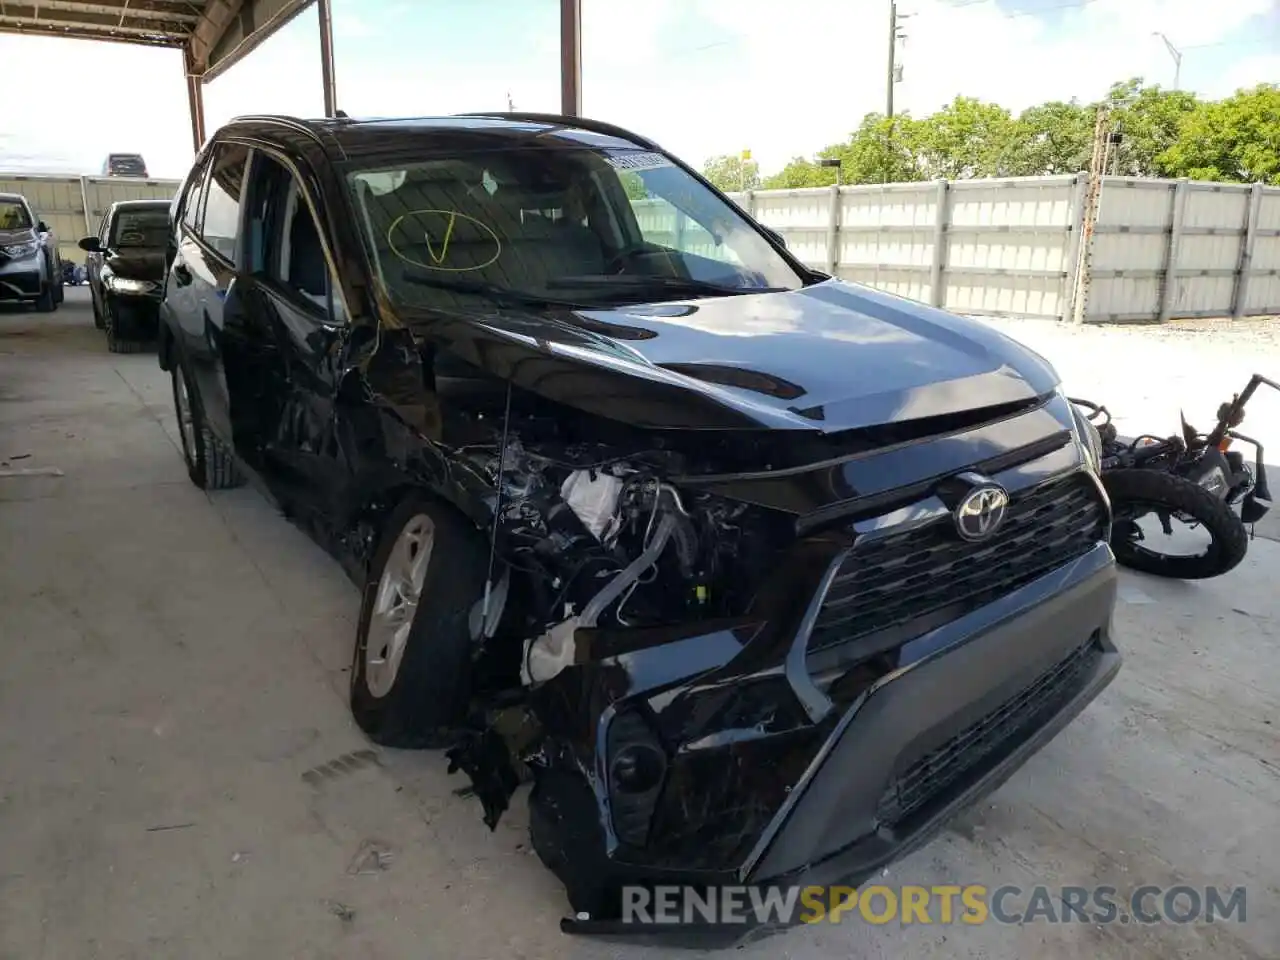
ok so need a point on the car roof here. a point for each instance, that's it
(348, 139)
(13, 196)
(141, 204)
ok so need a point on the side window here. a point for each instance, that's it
(220, 224)
(194, 199)
(283, 243)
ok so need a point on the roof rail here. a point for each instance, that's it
(582, 123)
(295, 123)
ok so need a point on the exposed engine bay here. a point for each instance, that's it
(606, 542)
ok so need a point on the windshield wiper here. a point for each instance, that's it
(663, 284)
(490, 290)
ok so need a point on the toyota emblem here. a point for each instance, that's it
(981, 512)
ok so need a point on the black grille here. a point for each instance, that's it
(912, 582)
(989, 739)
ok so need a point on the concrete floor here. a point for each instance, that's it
(173, 667)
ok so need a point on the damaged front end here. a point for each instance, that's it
(674, 657)
(620, 600)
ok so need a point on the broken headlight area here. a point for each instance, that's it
(586, 541)
(613, 590)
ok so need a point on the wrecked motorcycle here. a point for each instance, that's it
(1195, 479)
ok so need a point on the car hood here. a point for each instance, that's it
(140, 263)
(828, 357)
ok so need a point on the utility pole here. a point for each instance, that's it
(891, 75)
(1177, 57)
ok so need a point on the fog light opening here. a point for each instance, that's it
(638, 768)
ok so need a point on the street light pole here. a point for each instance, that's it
(1177, 57)
(893, 50)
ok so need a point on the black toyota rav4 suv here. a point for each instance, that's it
(759, 576)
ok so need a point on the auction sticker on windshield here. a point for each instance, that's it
(637, 160)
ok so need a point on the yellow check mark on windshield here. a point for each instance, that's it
(438, 258)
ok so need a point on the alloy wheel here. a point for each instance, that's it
(396, 603)
(186, 417)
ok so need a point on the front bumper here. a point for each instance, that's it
(21, 279)
(919, 748)
(135, 316)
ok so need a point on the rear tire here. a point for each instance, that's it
(209, 464)
(411, 667)
(1156, 488)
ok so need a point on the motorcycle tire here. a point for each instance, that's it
(1154, 488)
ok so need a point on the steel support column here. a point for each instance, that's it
(571, 58)
(326, 59)
(195, 101)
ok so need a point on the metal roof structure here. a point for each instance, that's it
(216, 34)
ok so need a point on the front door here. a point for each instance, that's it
(285, 329)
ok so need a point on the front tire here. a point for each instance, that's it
(209, 464)
(1153, 488)
(411, 669)
(115, 342)
(46, 302)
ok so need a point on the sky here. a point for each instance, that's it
(702, 77)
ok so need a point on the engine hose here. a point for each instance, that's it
(631, 573)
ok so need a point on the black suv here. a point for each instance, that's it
(125, 267)
(760, 576)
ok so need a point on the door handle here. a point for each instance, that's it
(181, 275)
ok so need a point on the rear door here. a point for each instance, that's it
(203, 274)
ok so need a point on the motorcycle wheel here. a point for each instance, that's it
(1136, 492)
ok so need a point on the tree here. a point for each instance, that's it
(731, 173)
(799, 172)
(632, 185)
(1164, 133)
(879, 151)
(1052, 138)
(1150, 122)
(968, 138)
(1236, 139)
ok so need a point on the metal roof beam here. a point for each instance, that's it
(167, 10)
(215, 18)
(24, 16)
(45, 29)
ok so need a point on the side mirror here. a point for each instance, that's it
(42, 227)
(775, 236)
(90, 245)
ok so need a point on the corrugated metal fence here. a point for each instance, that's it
(1161, 249)
(73, 206)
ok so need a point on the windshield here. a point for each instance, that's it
(580, 225)
(14, 215)
(140, 228)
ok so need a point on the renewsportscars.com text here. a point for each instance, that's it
(942, 904)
